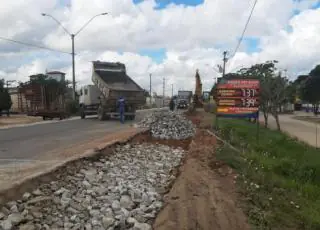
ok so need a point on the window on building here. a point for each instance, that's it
(85, 91)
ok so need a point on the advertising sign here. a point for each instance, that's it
(238, 98)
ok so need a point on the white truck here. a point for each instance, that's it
(110, 82)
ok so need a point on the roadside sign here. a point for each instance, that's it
(238, 98)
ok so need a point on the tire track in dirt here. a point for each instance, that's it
(202, 197)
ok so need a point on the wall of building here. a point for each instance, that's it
(19, 102)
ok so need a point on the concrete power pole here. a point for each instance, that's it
(171, 90)
(225, 59)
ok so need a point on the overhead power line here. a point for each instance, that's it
(33, 45)
(244, 30)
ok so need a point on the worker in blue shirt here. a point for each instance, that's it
(121, 105)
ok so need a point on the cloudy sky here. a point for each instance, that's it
(168, 38)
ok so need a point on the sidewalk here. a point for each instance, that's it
(305, 131)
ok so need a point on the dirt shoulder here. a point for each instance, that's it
(204, 194)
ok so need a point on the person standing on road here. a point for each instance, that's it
(121, 105)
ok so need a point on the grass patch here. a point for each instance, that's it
(279, 176)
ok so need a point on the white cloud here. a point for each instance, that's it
(192, 36)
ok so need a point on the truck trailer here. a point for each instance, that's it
(44, 97)
(110, 82)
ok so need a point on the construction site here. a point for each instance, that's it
(160, 173)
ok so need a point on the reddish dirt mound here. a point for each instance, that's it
(202, 198)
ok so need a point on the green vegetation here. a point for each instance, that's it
(279, 176)
(5, 99)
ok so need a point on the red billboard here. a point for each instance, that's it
(238, 97)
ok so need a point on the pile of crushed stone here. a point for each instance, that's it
(168, 125)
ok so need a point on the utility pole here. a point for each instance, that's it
(150, 90)
(73, 69)
(72, 35)
(171, 90)
(163, 91)
(225, 59)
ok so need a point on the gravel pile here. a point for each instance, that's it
(168, 125)
(123, 191)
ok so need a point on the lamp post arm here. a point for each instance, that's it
(88, 23)
(57, 21)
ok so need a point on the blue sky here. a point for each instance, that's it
(163, 3)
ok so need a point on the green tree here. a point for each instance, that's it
(310, 89)
(279, 87)
(291, 92)
(275, 90)
(5, 99)
(264, 72)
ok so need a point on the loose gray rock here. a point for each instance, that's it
(27, 227)
(126, 202)
(120, 191)
(15, 218)
(141, 226)
(6, 225)
(26, 196)
(2, 215)
(168, 125)
(37, 192)
(107, 222)
(116, 205)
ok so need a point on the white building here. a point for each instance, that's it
(57, 75)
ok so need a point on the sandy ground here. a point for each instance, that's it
(18, 119)
(17, 171)
(204, 194)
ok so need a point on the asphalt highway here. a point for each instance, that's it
(29, 142)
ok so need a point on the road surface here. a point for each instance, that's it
(31, 142)
(305, 131)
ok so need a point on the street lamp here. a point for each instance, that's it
(72, 35)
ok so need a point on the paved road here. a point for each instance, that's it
(33, 140)
(30, 141)
(305, 131)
